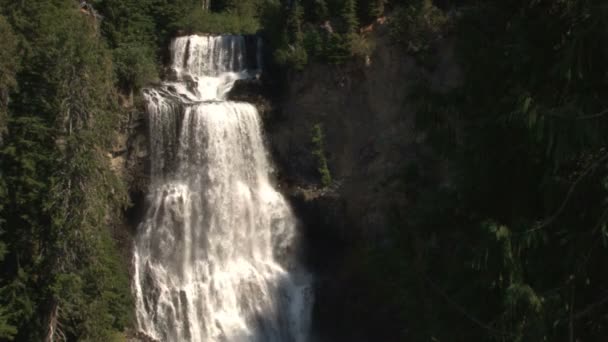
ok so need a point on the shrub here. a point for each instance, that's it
(416, 26)
(292, 56)
(318, 142)
(313, 43)
(198, 20)
(361, 46)
(9, 64)
(135, 65)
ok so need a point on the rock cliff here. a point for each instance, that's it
(369, 124)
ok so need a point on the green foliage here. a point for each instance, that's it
(131, 31)
(337, 50)
(510, 246)
(294, 56)
(292, 51)
(320, 11)
(376, 8)
(318, 30)
(313, 43)
(197, 20)
(417, 25)
(361, 46)
(234, 6)
(134, 65)
(318, 142)
(127, 20)
(61, 267)
(94, 299)
(7, 330)
(369, 10)
(9, 64)
(17, 304)
(348, 17)
(139, 31)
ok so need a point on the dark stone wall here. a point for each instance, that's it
(371, 138)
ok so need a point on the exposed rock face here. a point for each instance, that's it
(369, 125)
(256, 92)
(130, 151)
(370, 139)
(129, 159)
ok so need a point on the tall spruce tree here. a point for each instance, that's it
(292, 51)
(320, 11)
(348, 17)
(9, 64)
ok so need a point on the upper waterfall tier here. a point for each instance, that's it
(197, 56)
(204, 68)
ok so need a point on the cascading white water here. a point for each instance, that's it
(214, 258)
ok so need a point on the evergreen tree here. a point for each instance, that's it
(292, 52)
(369, 10)
(294, 23)
(131, 30)
(535, 252)
(340, 45)
(376, 8)
(321, 12)
(348, 17)
(7, 330)
(9, 64)
(59, 187)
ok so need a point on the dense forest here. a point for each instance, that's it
(510, 248)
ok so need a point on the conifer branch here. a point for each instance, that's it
(571, 190)
(582, 117)
(592, 307)
(464, 312)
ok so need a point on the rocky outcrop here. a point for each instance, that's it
(133, 336)
(369, 123)
(129, 155)
(257, 92)
(129, 158)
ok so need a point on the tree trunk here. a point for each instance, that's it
(54, 333)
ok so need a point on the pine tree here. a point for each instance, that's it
(376, 8)
(9, 64)
(132, 32)
(369, 10)
(321, 12)
(348, 16)
(293, 22)
(292, 52)
(7, 330)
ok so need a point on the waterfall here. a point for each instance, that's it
(214, 258)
